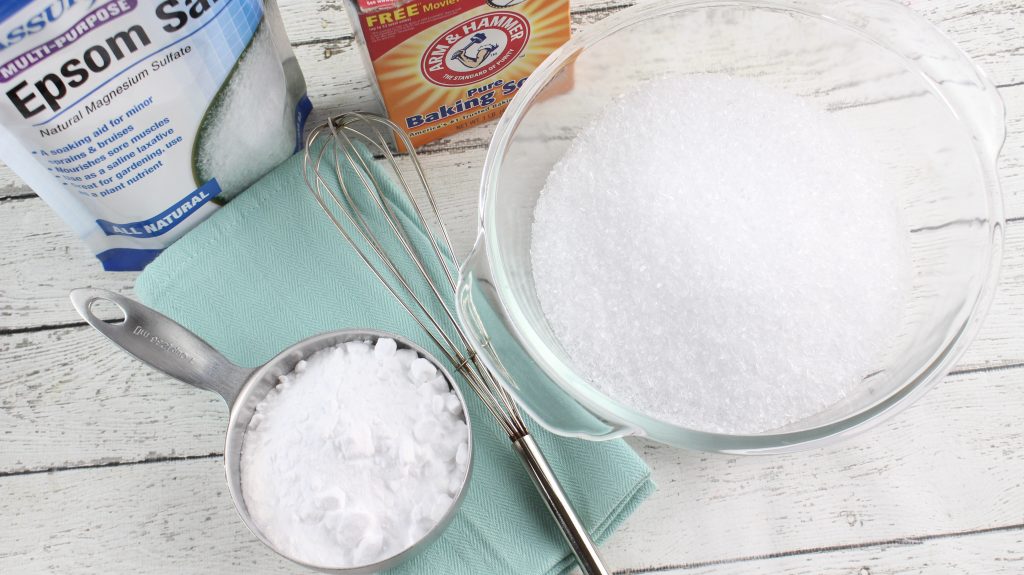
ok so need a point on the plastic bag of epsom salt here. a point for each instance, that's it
(136, 119)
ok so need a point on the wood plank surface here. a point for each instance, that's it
(73, 399)
(42, 254)
(989, 31)
(107, 466)
(43, 260)
(906, 478)
(994, 553)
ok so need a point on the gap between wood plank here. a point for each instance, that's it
(48, 327)
(55, 326)
(901, 542)
(896, 542)
(38, 328)
(438, 148)
(985, 369)
(167, 459)
(164, 459)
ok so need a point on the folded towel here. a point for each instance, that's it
(269, 269)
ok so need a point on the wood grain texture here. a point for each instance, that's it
(43, 260)
(918, 473)
(910, 477)
(42, 254)
(106, 466)
(73, 399)
(989, 31)
(994, 553)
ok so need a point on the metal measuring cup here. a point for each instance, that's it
(168, 347)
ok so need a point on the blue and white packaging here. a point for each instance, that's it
(136, 119)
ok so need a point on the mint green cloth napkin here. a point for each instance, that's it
(269, 269)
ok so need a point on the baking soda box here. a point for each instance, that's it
(443, 65)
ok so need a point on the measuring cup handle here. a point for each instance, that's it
(163, 344)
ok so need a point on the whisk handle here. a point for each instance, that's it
(572, 528)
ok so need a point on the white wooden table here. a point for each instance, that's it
(107, 467)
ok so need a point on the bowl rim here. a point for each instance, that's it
(637, 422)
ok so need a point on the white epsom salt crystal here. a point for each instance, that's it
(721, 255)
(250, 124)
(346, 455)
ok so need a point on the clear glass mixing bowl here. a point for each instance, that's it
(936, 120)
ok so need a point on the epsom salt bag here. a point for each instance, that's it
(136, 119)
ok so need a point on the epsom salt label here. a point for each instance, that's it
(135, 120)
(443, 65)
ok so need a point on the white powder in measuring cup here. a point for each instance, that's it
(355, 455)
(721, 255)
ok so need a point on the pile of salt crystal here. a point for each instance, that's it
(355, 455)
(720, 255)
(250, 124)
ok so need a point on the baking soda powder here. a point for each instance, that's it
(355, 455)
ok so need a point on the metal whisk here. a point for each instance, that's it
(347, 144)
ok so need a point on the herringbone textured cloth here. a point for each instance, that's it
(268, 270)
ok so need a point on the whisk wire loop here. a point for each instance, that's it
(400, 232)
(495, 398)
(318, 193)
(447, 263)
(339, 146)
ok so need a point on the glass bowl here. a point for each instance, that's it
(937, 122)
